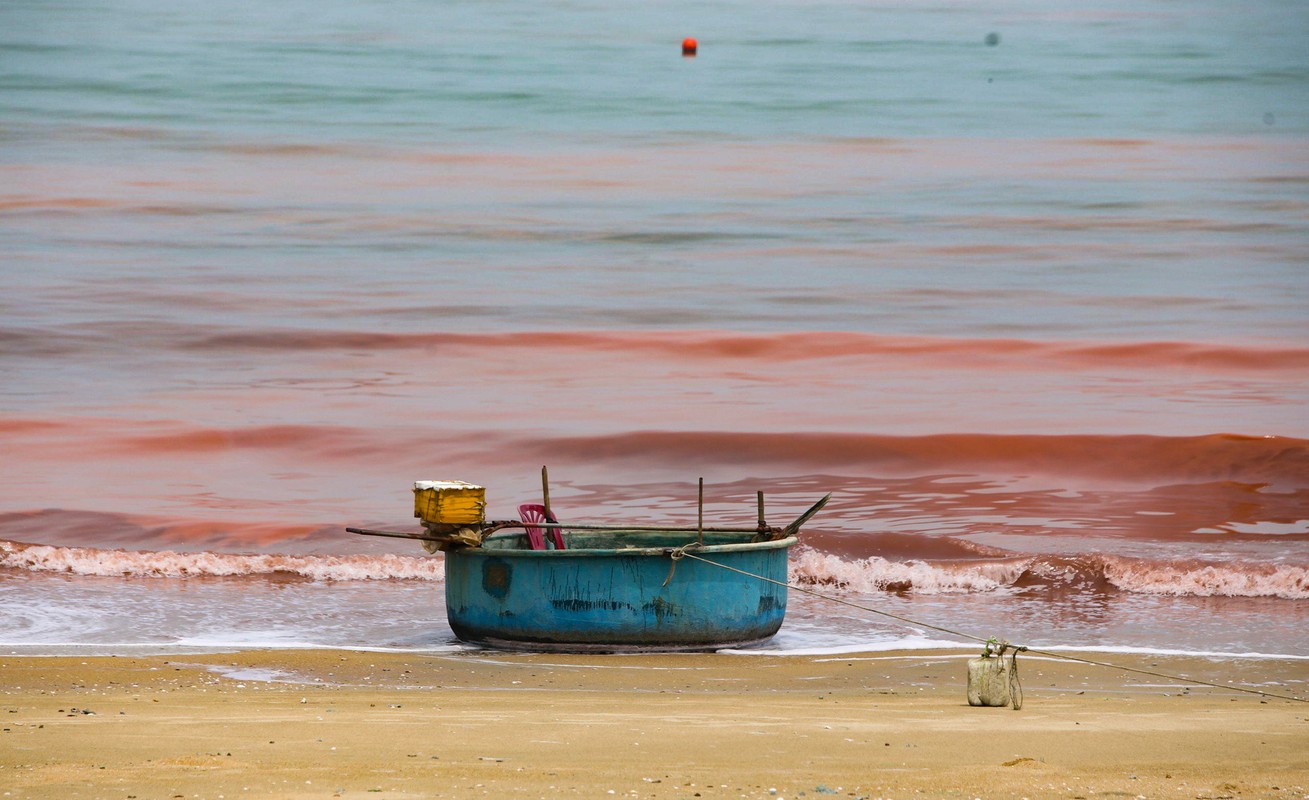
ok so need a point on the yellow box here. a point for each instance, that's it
(449, 503)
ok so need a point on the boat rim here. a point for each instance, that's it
(589, 552)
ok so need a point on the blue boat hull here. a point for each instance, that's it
(591, 598)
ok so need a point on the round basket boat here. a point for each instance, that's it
(617, 591)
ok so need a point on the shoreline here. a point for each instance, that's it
(937, 649)
(345, 723)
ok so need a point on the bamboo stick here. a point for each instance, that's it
(637, 528)
(545, 491)
(700, 517)
(513, 523)
(396, 535)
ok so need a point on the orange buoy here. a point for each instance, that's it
(689, 46)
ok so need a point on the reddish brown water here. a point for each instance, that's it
(1033, 312)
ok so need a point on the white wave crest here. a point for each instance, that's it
(1141, 576)
(873, 574)
(876, 574)
(1234, 579)
(167, 564)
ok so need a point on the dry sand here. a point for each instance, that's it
(366, 725)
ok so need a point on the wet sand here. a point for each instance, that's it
(291, 724)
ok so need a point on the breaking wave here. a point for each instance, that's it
(808, 567)
(98, 562)
(1081, 573)
(877, 574)
(1196, 579)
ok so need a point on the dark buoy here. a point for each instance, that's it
(992, 39)
(689, 46)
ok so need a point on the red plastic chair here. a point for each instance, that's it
(535, 512)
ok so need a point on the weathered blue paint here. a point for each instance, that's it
(599, 596)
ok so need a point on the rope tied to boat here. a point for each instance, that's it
(682, 552)
(995, 648)
(675, 555)
(1015, 687)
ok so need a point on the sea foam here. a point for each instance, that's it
(168, 564)
(1085, 572)
(808, 567)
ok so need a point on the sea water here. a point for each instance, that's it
(1024, 284)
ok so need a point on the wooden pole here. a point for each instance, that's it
(762, 524)
(699, 525)
(545, 491)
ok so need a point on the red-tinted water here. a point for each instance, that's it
(1025, 372)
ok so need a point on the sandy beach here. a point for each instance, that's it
(292, 724)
